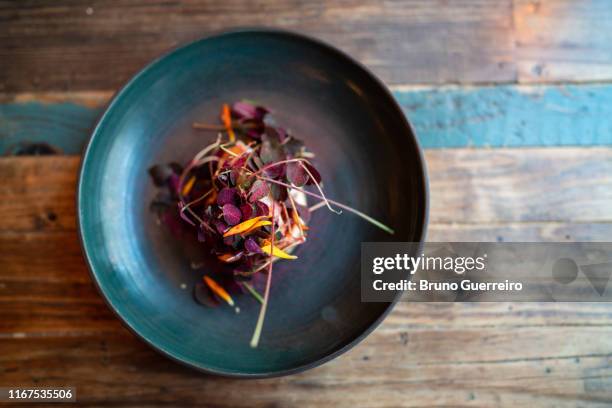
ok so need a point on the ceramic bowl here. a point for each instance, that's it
(365, 150)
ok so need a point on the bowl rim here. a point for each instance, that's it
(85, 157)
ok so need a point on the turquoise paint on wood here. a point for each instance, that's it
(496, 116)
(64, 125)
(511, 116)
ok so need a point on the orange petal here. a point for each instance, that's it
(226, 118)
(238, 148)
(188, 186)
(219, 291)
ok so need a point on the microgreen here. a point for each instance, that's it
(245, 195)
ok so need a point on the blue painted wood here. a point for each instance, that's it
(64, 125)
(511, 116)
(495, 116)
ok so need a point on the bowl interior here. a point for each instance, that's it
(366, 154)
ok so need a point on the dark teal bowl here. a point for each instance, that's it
(367, 154)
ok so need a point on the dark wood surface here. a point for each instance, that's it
(57, 330)
(65, 45)
(61, 60)
(400, 40)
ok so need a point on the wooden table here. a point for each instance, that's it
(512, 100)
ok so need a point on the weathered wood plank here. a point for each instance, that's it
(563, 40)
(51, 292)
(475, 186)
(48, 255)
(38, 193)
(66, 126)
(403, 41)
(509, 115)
(56, 330)
(58, 254)
(449, 116)
(468, 186)
(420, 368)
(68, 45)
(520, 232)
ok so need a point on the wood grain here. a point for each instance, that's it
(467, 186)
(69, 45)
(509, 115)
(530, 185)
(56, 330)
(520, 231)
(414, 369)
(38, 194)
(51, 294)
(61, 60)
(563, 40)
(442, 116)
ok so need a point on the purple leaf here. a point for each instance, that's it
(279, 193)
(271, 150)
(261, 209)
(231, 214)
(247, 211)
(314, 173)
(220, 226)
(246, 110)
(254, 128)
(296, 174)
(275, 170)
(259, 189)
(251, 245)
(227, 196)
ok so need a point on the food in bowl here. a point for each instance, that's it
(244, 198)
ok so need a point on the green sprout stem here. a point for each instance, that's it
(253, 292)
